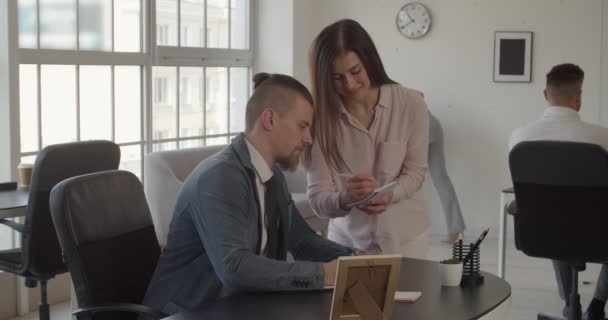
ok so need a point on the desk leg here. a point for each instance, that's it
(502, 234)
(23, 301)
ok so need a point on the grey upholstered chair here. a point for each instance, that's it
(164, 175)
(39, 258)
(105, 229)
(166, 171)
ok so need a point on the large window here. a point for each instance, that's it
(94, 69)
(202, 79)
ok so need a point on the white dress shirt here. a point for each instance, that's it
(561, 124)
(263, 174)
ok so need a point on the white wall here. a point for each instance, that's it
(306, 28)
(7, 148)
(453, 65)
(273, 41)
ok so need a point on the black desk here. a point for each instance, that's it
(13, 203)
(436, 302)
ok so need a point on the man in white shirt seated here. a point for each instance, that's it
(561, 122)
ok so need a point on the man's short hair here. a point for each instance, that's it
(276, 91)
(564, 80)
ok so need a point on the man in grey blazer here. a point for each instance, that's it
(235, 221)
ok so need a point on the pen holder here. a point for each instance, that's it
(470, 270)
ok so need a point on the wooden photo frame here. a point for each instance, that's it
(512, 56)
(365, 287)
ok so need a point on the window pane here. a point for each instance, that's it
(58, 24)
(28, 159)
(192, 23)
(27, 24)
(130, 159)
(127, 26)
(28, 110)
(166, 22)
(194, 143)
(95, 102)
(217, 104)
(239, 24)
(217, 23)
(191, 102)
(164, 114)
(6, 238)
(95, 24)
(164, 146)
(239, 93)
(58, 102)
(216, 141)
(127, 103)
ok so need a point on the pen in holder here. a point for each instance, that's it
(470, 273)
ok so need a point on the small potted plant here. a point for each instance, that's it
(451, 272)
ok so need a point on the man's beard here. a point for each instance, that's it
(291, 162)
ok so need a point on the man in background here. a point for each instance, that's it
(561, 122)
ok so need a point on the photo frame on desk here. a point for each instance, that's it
(365, 287)
(513, 56)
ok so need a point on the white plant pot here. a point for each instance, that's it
(451, 274)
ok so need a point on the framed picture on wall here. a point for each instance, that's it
(512, 56)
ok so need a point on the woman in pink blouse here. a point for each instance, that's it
(368, 131)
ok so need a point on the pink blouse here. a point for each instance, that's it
(394, 148)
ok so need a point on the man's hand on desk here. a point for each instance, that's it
(330, 269)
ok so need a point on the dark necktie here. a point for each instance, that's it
(272, 222)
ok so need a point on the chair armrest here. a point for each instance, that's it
(15, 226)
(125, 307)
(511, 208)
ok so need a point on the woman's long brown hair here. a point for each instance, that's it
(335, 40)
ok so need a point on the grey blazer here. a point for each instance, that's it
(213, 243)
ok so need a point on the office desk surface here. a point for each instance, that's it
(12, 202)
(436, 302)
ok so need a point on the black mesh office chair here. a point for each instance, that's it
(109, 245)
(39, 258)
(561, 189)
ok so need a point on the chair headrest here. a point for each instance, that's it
(101, 205)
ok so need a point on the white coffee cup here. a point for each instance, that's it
(24, 172)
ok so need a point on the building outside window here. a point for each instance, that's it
(92, 69)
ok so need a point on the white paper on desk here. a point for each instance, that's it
(378, 192)
(407, 296)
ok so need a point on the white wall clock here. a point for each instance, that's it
(413, 20)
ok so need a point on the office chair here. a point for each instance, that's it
(39, 258)
(109, 245)
(561, 189)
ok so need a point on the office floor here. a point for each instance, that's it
(532, 281)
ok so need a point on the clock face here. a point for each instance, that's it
(413, 20)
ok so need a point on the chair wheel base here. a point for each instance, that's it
(44, 312)
(31, 283)
(542, 316)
